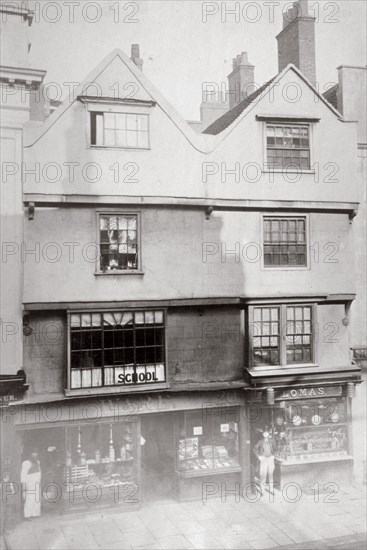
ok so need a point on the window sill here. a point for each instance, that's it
(118, 273)
(285, 268)
(113, 147)
(286, 171)
(128, 389)
(267, 368)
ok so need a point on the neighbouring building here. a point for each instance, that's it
(183, 292)
(349, 97)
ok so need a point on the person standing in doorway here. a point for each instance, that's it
(30, 478)
(264, 451)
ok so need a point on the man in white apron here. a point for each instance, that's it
(30, 478)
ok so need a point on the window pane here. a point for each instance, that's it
(143, 123)
(109, 121)
(120, 138)
(298, 341)
(132, 122)
(120, 121)
(265, 344)
(109, 138)
(131, 139)
(279, 238)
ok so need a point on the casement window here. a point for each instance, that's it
(126, 130)
(281, 334)
(116, 348)
(118, 241)
(288, 146)
(284, 241)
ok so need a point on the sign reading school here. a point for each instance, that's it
(140, 375)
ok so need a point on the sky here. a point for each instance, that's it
(185, 43)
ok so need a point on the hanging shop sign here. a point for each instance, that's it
(312, 392)
(12, 388)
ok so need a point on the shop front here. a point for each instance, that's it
(83, 465)
(90, 454)
(310, 432)
(208, 450)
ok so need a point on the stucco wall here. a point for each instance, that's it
(183, 255)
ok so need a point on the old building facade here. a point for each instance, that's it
(182, 293)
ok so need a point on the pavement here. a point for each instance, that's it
(311, 523)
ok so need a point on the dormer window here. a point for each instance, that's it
(288, 146)
(117, 129)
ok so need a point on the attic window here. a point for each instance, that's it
(288, 146)
(125, 130)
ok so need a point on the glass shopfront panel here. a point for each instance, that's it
(103, 454)
(207, 442)
(308, 430)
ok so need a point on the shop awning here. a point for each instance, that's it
(301, 375)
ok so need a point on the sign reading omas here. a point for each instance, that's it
(296, 393)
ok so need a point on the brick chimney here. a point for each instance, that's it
(241, 80)
(135, 56)
(296, 42)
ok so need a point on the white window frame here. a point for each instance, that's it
(130, 388)
(282, 336)
(117, 272)
(292, 214)
(104, 105)
(295, 122)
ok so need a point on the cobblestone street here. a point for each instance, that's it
(169, 525)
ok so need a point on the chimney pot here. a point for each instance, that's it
(241, 80)
(135, 56)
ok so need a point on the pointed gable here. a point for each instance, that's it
(117, 77)
(239, 111)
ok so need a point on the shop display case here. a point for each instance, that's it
(101, 459)
(310, 431)
(207, 443)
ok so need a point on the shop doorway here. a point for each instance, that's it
(50, 445)
(157, 456)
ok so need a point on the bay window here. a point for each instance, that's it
(281, 334)
(116, 348)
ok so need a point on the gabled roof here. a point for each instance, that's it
(225, 120)
(229, 118)
(198, 141)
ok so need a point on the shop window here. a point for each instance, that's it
(102, 454)
(310, 430)
(281, 335)
(207, 442)
(285, 242)
(125, 130)
(116, 348)
(118, 241)
(288, 146)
